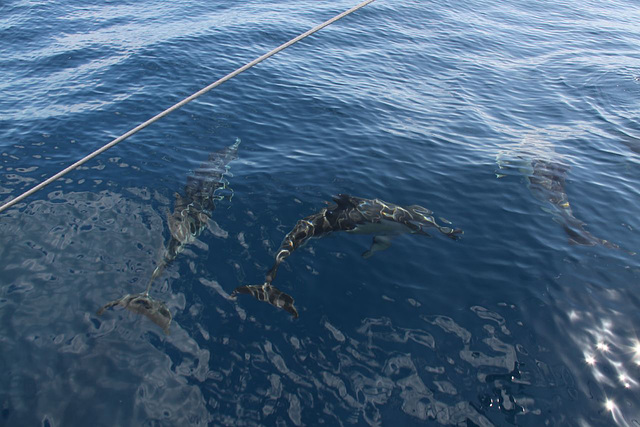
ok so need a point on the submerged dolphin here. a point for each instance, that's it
(143, 304)
(353, 215)
(546, 181)
(192, 211)
(191, 215)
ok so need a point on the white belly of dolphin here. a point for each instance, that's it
(383, 228)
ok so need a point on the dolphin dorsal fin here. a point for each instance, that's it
(344, 201)
(179, 200)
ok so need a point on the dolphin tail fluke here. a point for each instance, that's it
(269, 294)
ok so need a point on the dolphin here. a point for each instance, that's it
(353, 215)
(191, 215)
(192, 211)
(546, 181)
(144, 304)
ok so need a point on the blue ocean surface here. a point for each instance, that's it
(517, 122)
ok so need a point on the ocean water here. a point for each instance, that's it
(518, 122)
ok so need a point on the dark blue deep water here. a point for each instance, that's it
(517, 121)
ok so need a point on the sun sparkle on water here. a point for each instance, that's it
(610, 405)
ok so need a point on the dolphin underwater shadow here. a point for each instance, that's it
(353, 215)
(190, 217)
(546, 182)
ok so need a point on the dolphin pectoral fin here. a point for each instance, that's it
(379, 243)
(216, 230)
(269, 294)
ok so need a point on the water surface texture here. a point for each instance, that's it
(517, 121)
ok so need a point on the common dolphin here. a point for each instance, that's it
(546, 181)
(144, 304)
(192, 211)
(191, 215)
(353, 215)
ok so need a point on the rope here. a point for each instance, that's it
(180, 104)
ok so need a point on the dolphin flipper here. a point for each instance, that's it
(216, 230)
(269, 294)
(379, 243)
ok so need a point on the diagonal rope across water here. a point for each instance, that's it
(180, 104)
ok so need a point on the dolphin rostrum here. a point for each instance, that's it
(354, 215)
(191, 215)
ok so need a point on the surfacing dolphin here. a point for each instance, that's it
(354, 215)
(191, 215)
(546, 181)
